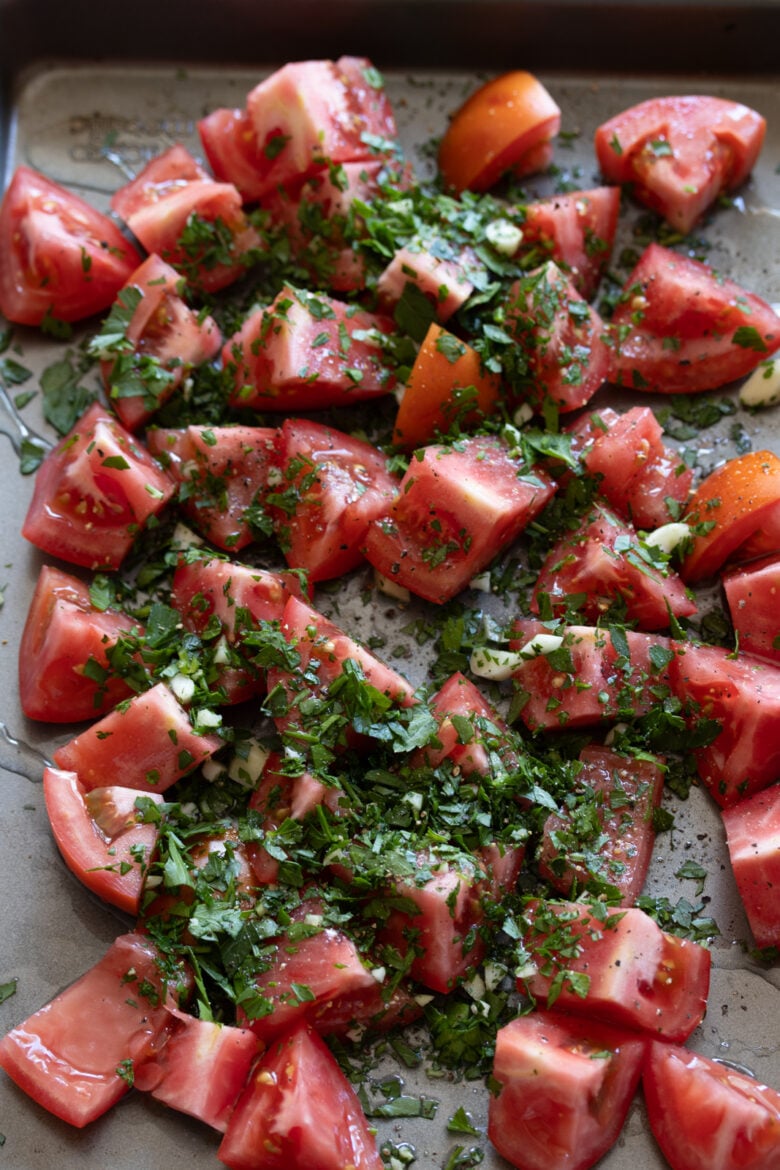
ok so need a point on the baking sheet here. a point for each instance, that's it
(52, 930)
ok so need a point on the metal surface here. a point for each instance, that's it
(52, 930)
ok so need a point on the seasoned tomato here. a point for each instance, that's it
(147, 744)
(69, 1057)
(753, 595)
(94, 493)
(328, 488)
(604, 564)
(58, 255)
(707, 1115)
(742, 696)
(101, 836)
(604, 830)
(299, 1112)
(620, 968)
(563, 1090)
(735, 503)
(508, 124)
(457, 508)
(753, 837)
(163, 341)
(680, 153)
(63, 668)
(680, 327)
(562, 357)
(447, 385)
(577, 231)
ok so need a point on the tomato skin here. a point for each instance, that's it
(298, 1112)
(640, 977)
(706, 1115)
(677, 328)
(94, 492)
(163, 327)
(97, 857)
(147, 744)
(507, 124)
(628, 791)
(602, 560)
(577, 231)
(58, 255)
(339, 485)
(457, 508)
(560, 338)
(564, 1089)
(63, 631)
(738, 500)
(292, 356)
(743, 695)
(753, 839)
(66, 1055)
(681, 152)
(752, 594)
(444, 365)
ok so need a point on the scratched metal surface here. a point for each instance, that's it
(51, 929)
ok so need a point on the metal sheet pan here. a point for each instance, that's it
(52, 929)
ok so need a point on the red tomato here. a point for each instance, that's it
(588, 680)
(323, 649)
(69, 1057)
(639, 474)
(442, 930)
(706, 1115)
(178, 211)
(488, 732)
(307, 351)
(230, 145)
(563, 358)
(602, 563)
(222, 473)
(753, 837)
(618, 796)
(329, 487)
(743, 695)
(457, 508)
(508, 124)
(636, 975)
(577, 231)
(101, 836)
(58, 255)
(162, 327)
(753, 596)
(277, 798)
(734, 503)
(147, 744)
(445, 375)
(446, 283)
(564, 1087)
(310, 114)
(680, 153)
(201, 1069)
(63, 668)
(307, 973)
(682, 328)
(298, 1112)
(94, 492)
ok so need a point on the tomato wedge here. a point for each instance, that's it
(753, 838)
(508, 124)
(707, 1115)
(58, 255)
(733, 503)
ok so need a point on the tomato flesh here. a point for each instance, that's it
(753, 839)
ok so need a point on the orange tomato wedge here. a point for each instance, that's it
(444, 366)
(739, 499)
(509, 123)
